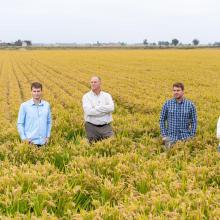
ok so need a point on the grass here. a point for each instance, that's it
(130, 176)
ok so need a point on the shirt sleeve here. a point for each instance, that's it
(49, 122)
(163, 119)
(108, 107)
(193, 120)
(218, 128)
(21, 122)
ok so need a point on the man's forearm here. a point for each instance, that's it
(21, 132)
(92, 111)
(105, 108)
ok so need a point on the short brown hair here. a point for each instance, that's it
(36, 85)
(178, 85)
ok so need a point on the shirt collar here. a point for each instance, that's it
(40, 104)
(95, 93)
(183, 100)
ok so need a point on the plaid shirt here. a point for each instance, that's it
(178, 121)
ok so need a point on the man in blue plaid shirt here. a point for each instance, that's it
(178, 119)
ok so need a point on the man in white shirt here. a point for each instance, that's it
(97, 106)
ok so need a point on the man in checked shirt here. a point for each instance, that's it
(178, 119)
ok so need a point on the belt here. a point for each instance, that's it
(39, 145)
(97, 125)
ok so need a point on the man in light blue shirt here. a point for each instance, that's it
(34, 118)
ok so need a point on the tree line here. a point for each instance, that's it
(175, 42)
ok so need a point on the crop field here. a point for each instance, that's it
(130, 176)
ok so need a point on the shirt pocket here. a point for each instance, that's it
(43, 113)
(185, 115)
(171, 113)
(32, 114)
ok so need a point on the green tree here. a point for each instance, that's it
(175, 42)
(195, 42)
(145, 42)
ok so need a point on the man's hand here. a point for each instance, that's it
(46, 140)
(27, 141)
(164, 138)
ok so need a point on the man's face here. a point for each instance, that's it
(95, 83)
(177, 93)
(36, 93)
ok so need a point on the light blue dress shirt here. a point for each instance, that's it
(34, 121)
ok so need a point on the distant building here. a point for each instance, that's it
(24, 44)
(3, 44)
(21, 43)
(28, 42)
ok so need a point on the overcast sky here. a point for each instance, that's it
(109, 20)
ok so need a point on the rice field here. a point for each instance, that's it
(130, 176)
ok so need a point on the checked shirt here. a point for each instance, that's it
(178, 120)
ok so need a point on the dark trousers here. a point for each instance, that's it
(98, 132)
(39, 145)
